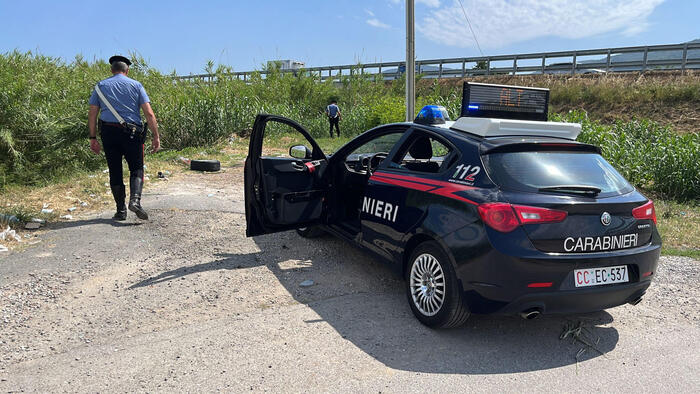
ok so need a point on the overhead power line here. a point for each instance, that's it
(470, 27)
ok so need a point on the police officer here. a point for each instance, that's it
(333, 114)
(126, 96)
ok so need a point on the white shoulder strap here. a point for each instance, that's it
(109, 105)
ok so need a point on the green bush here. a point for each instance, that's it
(648, 155)
(44, 105)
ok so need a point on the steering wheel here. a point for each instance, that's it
(375, 161)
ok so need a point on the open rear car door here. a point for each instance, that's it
(283, 192)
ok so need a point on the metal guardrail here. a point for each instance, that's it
(624, 59)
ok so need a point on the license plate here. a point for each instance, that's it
(600, 276)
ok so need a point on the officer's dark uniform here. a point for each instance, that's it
(126, 96)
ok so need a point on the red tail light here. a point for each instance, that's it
(645, 211)
(499, 216)
(532, 215)
(505, 217)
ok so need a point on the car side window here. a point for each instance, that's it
(424, 153)
(358, 159)
(383, 143)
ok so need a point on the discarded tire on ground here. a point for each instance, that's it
(205, 165)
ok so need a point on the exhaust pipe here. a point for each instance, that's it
(530, 314)
(635, 302)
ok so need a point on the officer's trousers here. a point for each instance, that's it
(334, 122)
(118, 145)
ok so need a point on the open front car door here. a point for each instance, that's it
(283, 190)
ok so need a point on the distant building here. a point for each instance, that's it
(286, 64)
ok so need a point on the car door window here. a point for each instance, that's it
(283, 191)
(279, 137)
(424, 152)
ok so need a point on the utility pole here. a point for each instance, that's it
(410, 61)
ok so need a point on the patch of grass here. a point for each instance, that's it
(92, 188)
(679, 225)
(692, 253)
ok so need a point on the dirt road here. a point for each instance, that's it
(186, 302)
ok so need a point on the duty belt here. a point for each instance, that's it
(111, 124)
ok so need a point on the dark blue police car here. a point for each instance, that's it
(499, 211)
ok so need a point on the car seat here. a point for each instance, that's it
(422, 150)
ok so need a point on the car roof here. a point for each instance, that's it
(506, 143)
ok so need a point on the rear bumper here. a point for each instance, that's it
(496, 283)
(578, 301)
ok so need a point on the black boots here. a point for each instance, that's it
(136, 185)
(119, 194)
(120, 214)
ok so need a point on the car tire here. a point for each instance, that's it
(310, 232)
(429, 271)
(205, 165)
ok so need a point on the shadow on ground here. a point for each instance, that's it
(382, 325)
(88, 222)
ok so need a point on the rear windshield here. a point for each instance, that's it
(530, 171)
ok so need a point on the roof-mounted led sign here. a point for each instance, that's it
(481, 100)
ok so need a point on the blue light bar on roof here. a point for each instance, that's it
(432, 114)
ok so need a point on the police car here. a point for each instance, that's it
(497, 212)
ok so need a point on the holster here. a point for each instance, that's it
(137, 132)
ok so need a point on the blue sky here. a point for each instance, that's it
(183, 35)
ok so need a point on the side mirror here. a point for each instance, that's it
(300, 152)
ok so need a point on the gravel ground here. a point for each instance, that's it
(186, 302)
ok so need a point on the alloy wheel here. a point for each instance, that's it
(427, 281)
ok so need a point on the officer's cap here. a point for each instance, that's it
(119, 58)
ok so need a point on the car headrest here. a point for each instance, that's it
(421, 149)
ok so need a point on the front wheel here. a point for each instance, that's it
(432, 288)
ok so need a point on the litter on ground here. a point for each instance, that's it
(8, 218)
(9, 234)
